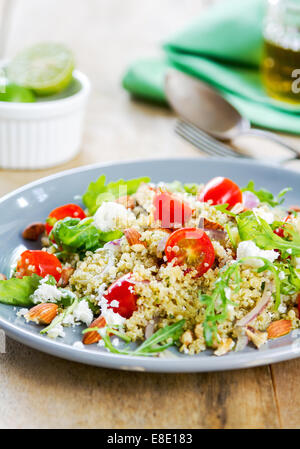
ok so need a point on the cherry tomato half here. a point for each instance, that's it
(172, 212)
(280, 231)
(122, 291)
(68, 210)
(191, 246)
(221, 191)
(39, 262)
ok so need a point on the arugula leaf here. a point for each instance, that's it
(191, 188)
(75, 235)
(158, 342)
(98, 192)
(265, 196)
(223, 208)
(177, 186)
(260, 232)
(216, 303)
(17, 292)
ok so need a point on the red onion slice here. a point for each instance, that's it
(260, 306)
(216, 234)
(250, 201)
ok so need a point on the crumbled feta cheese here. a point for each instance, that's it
(83, 313)
(114, 303)
(101, 343)
(249, 249)
(78, 344)
(22, 312)
(282, 308)
(281, 275)
(289, 250)
(297, 262)
(111, 216)
(45, 293)
(112, 318)
(56, 331)
(264, 213)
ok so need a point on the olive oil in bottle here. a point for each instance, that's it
(281, 59)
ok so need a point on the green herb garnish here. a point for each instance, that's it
(98, 191)
(265, 196)
(17, 292)
(75, 235)
(261, 233)
(224, 209)
(158, 342)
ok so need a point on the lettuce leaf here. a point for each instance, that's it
(75, 235)
(17, 292)
(260, 232)
(98, 191)
(265, 196)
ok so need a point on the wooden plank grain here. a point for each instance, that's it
(285, 379)
(49, 393)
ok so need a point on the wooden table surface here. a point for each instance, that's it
(38, 390)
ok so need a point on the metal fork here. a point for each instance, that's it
(204, 141)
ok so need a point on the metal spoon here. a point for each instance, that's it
(203, 106)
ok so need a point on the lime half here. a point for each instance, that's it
(45, 68)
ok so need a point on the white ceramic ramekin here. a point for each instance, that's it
(43, 134)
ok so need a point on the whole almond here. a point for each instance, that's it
(133, 237)
(33, 231)
(93, 336)
(42, 313)
(279, 328)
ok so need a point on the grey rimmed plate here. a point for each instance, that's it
(33, 203)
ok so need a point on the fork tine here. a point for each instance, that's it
(202, 138)
(219, 147)
(201, 146)
(198, 141)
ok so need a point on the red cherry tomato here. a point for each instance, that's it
(172, 212)
(191, 246)
(221, 191)
(68, 210)
(123, 291)
(39, 262)
(280, 231)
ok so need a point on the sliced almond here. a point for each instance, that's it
(279, 328)
(224, 347)
(295, 208)
(3, 277)
(258, 338)
(66, 273)
(93, 336)
(126, 201)
(33, 231)
(42, 313)
(212, 225)
(133, 237)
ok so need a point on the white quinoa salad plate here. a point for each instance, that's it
(159, 269)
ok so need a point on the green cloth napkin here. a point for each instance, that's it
(224, 48)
